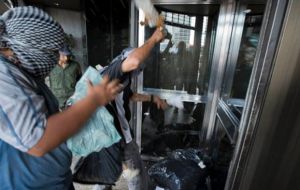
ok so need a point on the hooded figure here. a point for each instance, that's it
(34, 37)
(33, 152)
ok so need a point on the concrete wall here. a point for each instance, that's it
(73, 23)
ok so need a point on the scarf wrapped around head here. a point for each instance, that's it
(34, 37)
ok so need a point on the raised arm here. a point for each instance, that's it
(138, 56)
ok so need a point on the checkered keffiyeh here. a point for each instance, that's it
(34, 37)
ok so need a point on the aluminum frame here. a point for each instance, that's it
(273, 159)
(186, 2)
(137, 120)
(236, 102)
(222, 43)
(224, 30)
(229, 121)
(135, 106)
(183, 95)
(266, 50)
(269, 37)
(234, 50)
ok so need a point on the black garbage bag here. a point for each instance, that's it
(196, 155)
(104, 167)
(188, 154)
(174, 174)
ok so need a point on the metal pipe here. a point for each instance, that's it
(224, 30)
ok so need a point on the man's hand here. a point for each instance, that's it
(65, 124)
(138, 56)
(158, 35)
(161, 104)
(105, 91)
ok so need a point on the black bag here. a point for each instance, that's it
(181, 170)
(195, 155)
(104, 167)
(177, 175)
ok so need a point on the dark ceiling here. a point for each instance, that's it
(208, 9)
(64, 4)
(202, 10)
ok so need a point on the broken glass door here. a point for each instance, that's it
(178, 70)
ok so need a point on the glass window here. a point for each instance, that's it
(246, 56)
(178, 67)
(183, 62)
(179, 18)
(164, 131)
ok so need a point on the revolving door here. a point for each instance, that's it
(207, 65)
(178, 69)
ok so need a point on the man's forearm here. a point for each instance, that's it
(138, 56)
(62, 126)
(143, 52)
(140, 97)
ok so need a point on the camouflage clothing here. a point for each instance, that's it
(63, 81)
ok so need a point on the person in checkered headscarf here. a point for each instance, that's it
(34, 37)
(33, 153)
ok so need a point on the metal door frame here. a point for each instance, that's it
(222, 44)
(259, 82)
(235, 43)
(269, 37)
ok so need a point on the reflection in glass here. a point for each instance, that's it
(182, 62)
(164, 131)
(246, 56)
(178, 67)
